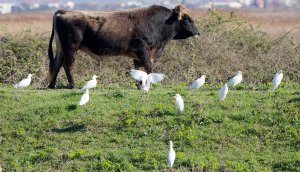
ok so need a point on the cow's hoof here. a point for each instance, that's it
(51, 86)
(71, 86)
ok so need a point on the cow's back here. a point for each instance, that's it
(110, 33)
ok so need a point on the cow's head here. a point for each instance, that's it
(186, 26)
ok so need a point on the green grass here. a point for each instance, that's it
(122, 129)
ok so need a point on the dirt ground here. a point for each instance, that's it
(273, 22)
(16, 23)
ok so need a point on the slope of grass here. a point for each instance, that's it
(122, 129)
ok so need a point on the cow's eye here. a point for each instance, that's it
(186, 20)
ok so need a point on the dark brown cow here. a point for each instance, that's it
(138, 33)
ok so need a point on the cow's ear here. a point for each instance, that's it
(175, 16)
(180, 11)
(176, 13)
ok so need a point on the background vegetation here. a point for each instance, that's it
(226, 44)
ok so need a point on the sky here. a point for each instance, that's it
(100, 1)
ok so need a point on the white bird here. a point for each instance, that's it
(90, 84)
(179, 103)
(197, 83)
(223, 92)
(235, 80)
(171, 155)
(146, 79)
(84, 98)
(276, 80)
(24, 82)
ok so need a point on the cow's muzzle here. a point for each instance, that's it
(197, 35)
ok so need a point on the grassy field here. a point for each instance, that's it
(122, 129)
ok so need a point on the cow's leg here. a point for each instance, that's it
(68, 64)
(141, 49)
(138, 65)
(58, 64)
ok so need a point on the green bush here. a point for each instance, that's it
(23, 54)
(226, 44)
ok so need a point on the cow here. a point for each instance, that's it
(140, 34)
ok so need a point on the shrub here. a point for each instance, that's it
(226, 44)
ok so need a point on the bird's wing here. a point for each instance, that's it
(84, 98)
(201, 81)
(88, 85)
(239, 78)
(231, 81)
(180, 103)
(221, 91)
(277, 79)
(156, 77)
(83, 88)
(16, 85)
(23, 83)
(193, 85)
(138, 74)
(280, 76)
(171, 157)
(91, 83)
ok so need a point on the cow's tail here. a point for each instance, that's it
(50, 51)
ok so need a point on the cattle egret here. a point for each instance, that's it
(146, 79)
(179, 103)
(84, 98)
(276, 80)
(90, 84)
(197, 83)
(24, 82)
(223, 92)
(171, 155)
(235, 80)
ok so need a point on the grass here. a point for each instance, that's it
(122, 129)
